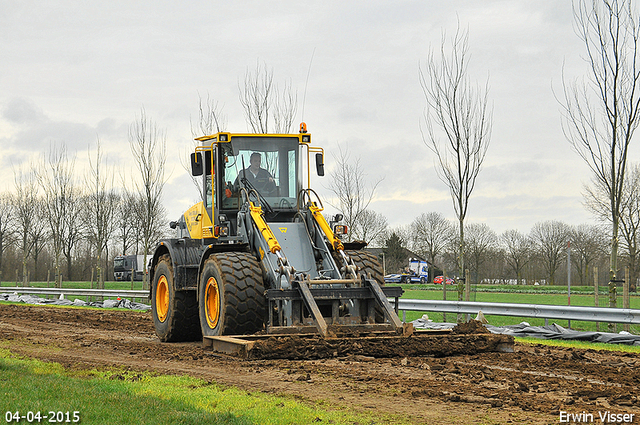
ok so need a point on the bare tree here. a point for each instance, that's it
(211, 120)
(72, 233)
(550, 239)
(265, 105)
(630, 223)
(371, 228)
(480, 242)
(25, 201)
(596, 201)
(7, 225)
(100, 209)
(430, 232)
(601, 115)
(148, 146)
(126, 229)
(459, 109)
(39, 234)
(517, 247)
(349, 187)
(57, 180)
(587, 243)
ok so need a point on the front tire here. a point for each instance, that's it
(175, 313)
(231, 295)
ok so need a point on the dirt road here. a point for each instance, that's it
(534, 385)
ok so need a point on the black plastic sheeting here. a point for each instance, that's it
(31, 299)
(553, 331)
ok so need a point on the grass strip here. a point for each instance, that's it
(585, 345)
(126, 397)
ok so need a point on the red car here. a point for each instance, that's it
(438, 280)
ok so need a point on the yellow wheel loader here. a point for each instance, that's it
(257, 259)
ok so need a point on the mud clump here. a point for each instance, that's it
(471, 327)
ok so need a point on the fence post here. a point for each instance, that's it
(467, 289)
(596, 293)
(444, 293)
(613, 301)
(92, 298)
(625, 295)
(569, 279)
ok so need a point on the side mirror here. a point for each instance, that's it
(196, 164)
(320, 164)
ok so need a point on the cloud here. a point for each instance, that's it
(31, 130)
(23, 112)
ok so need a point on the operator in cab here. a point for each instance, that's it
(257, 176)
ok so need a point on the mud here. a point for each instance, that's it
(419, 344)
(532, 385)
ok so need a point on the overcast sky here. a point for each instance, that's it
(75, 71)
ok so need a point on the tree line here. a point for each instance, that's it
(513, 257)
(58, 225)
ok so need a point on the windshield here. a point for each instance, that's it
(269, 164)
(118, 263)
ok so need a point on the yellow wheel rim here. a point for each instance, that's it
(162, 298)
(212, 303)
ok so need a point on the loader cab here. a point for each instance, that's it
(271, 165)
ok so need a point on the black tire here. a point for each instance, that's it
(175, 313)
(367, 264)
(231, 295)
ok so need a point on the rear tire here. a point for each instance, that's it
(368, 265)
(231, 295)
(175, 313)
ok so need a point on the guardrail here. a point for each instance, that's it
(127, 293)
(587, 314)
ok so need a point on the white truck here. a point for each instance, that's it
(417, 272)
